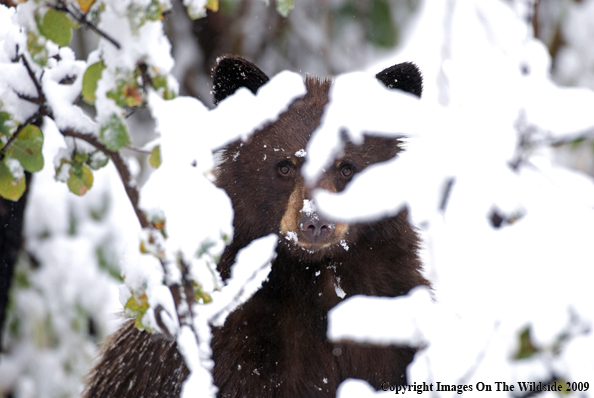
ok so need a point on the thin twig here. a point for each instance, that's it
(146, 79)
(447, 190)
(121, 167)
(40, 96)
(184, 292)
(144, 152)
(237, 297)
(43, 110)
(82, 18)
(179, 293)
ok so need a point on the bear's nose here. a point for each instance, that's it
(314, 228)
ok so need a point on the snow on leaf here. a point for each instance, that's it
(196, 8)
(160, 83)
(37, 48)
(127, 93)
(136, 307)
(7, 126)
(97, 160)
(114, 133)
(27, 148)
(284, 7)
(10, 188)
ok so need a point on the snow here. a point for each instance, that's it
(186, 157)
(247, 275)
(199, 383)
(339, 292)
(147, 43)
(400, 321)
(203, 209)
(61, 97)
(15, 168)
(14, 79)
(351, 109)
(309, 208)
(489, 284)
(488, 103)
(272, 99)
(68, 285)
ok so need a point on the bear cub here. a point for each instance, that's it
(275, 344)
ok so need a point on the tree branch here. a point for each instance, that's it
(82, 19)
(181, 294)
(40, 96)
(122, 168)
(43, 110)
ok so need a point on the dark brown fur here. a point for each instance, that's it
(275, 344)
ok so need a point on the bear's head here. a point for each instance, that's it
(262, 174)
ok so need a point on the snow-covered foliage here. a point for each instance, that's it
(507, 230)
(77, 248)
(65, 286)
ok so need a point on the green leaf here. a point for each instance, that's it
(90, 79)
(80, 157)
(97, 160)
(136, 308)
(36, 47)
(10, 188)
(56, 26)
(155, 158)
(7, 125)
(526, 348)
(26, 148)
(80, 180)
(382, 31)
(126, 94)
(107, 264)
(114, 133)
(154, 11)
(162, 88)
(284, 7)
(199, 294)
(212, 5)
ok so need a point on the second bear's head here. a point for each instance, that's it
(262, 175)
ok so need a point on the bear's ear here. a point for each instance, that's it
(405, 76)
(233, 72)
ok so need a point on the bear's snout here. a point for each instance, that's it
(315, 228)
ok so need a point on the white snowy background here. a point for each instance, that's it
(492, 135)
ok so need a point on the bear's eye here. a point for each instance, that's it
(347, 170)
(284, 169)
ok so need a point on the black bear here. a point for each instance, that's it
(275, 344)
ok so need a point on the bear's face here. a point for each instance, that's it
(262, 175)
(301, 225)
